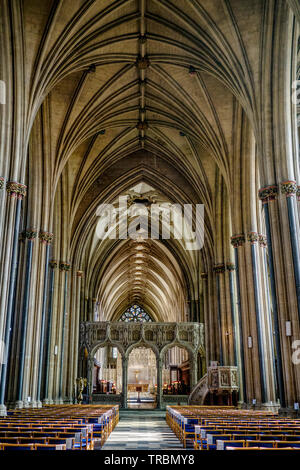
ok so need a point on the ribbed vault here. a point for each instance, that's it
(134, 92)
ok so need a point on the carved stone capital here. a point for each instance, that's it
(46, 237)
(238, 240)
(79, 273)
(63, 266)
(1, 182)
(219, 268)
(252, 237)
(230, 267)
(53, 264)
(29, 234)
(15, 189)
(269, 193)
(298, 193)
(262, 240)
(289, 188)
(204, 276)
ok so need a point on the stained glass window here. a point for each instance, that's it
(135, 313)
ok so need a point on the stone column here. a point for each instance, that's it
(16, 192)
(252, 238)
(193, 370)
(90, 367)
(219, 270)
(63, 267)
(237, 241)
(74, 323)
(29, 236)
(234, 333)
(282, 230)
(46, 240)
(124, 380)
(53, 265)
(254, 328)
(159, 364)
(207, 329)
(95, 309)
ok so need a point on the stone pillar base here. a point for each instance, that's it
(46, 401)
(58, 401)
(33, 404)
(3, 410)
(39, 404)
(19, 404)
(241, 405)
(270, 407)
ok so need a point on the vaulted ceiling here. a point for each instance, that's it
(132, 92)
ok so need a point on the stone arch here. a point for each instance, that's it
(142, 344)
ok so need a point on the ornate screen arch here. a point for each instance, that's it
(135, 313)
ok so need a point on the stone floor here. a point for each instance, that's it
(142, 430)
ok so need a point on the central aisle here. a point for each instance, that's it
(142, 430)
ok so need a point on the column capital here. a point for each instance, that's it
(46, 238)
(204, 276)
(230, 267)
(29, 234)
(219, 268)
(298, 193)
(238, 240)
(79, 273)
(269, 193)
(64, 266)
(289, 188)
(262, 240)
(15, 189)
(2, 182)
(53, 264)
(252, 237)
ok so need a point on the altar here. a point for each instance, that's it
(138, 388)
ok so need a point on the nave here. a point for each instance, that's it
(142, 430)
(118, 121)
